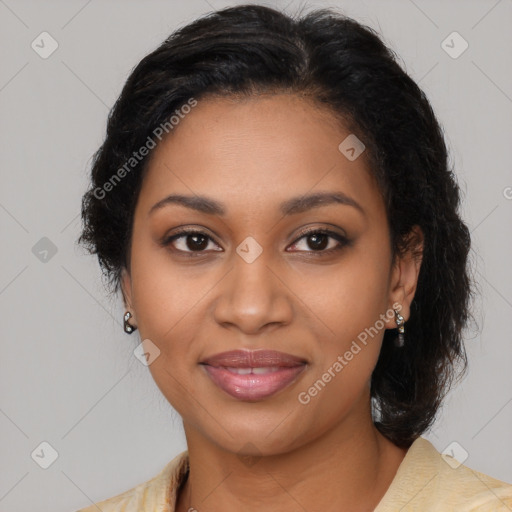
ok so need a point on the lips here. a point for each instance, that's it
(254, 359)
(253, 375)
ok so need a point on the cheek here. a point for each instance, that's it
(167, 304)
(348, 298)
(349, 305)
(165, 297)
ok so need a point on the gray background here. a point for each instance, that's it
(68, 373)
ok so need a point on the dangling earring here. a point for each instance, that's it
(127, 327)
(399, 342)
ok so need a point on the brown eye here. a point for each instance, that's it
(321, 241)
(189, 241)
(318, 241)
(196, 242)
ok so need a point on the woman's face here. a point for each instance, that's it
(253, 281)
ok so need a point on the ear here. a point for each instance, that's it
(126, 290)
(404, 276)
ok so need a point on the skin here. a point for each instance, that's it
(251, 155)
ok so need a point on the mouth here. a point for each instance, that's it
(253, 375)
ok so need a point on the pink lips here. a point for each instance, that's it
(253, 375)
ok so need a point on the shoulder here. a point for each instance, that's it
(429, 481)
(158, 493)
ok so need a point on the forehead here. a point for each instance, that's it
(254, 152)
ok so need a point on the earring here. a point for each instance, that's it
(127, 327)
(399, 342)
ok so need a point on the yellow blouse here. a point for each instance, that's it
(426, 481)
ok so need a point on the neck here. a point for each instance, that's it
(348, 468)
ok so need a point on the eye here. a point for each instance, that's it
(189, 241)
(321, 241)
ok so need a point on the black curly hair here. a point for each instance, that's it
(344, 66)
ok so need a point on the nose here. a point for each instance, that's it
(253, 297)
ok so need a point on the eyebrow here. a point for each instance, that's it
(291, 206)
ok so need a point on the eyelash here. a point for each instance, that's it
(342, 240)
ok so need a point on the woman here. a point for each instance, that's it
(274, 201)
